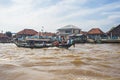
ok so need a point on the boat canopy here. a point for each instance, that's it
(37, 39)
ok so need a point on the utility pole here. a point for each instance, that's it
(42, 31)
(111, 35)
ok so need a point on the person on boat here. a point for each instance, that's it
(44, 43)
(31, 43)
(62, 40)
(73, 43)
(70, 42)
(56, 43)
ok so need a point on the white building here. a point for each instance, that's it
(68, 30)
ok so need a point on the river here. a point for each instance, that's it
(84, 62)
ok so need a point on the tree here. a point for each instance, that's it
(9, 34)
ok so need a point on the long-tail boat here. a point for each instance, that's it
(40, 43)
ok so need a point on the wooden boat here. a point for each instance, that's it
(25, 45)
(39, 44)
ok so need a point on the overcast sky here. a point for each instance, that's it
(16, 15)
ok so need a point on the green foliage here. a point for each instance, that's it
(9, 34)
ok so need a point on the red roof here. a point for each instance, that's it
(83, 32)
(95, 31)
(46, 34)
(27, 32)
(2, 35)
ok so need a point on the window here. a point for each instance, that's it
(77, 31)
(68, 31)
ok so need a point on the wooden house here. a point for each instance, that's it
(95, 34)
(114, 33)
(50, 34)
(26, 33)
(4, 38)
(44, 35)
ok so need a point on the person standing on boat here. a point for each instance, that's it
(56, 43)
(70, 42)
(63, 40)
(44, 43)
(31, 43)
(73, 43)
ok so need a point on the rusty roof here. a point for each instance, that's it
(83, 32)
(69, 27)
(46, 34)
(95, 31)
(3, 35)
(27, 32)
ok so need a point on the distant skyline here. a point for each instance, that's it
(16, 15)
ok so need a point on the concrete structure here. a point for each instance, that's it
(68, 30)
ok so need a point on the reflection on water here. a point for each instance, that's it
(84, 62)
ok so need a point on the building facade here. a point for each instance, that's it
(26, 33)
(4, 38)
(68, 30)
(114, 33)
(95, 34)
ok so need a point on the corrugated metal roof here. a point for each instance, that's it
(69, 27)
(46, 34)
(95, 31)
(28, 32)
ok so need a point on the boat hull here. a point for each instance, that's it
(43, 46)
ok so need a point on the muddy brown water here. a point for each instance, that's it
(84, 62)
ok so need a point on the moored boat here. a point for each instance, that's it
(33, 43)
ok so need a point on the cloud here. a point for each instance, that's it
(53, 14)
(114, 17)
